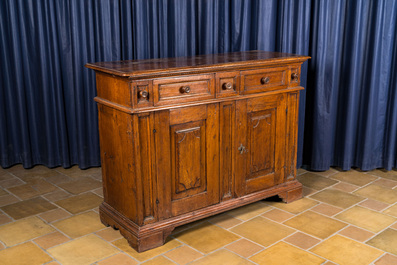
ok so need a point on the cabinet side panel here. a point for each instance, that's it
(292, 135)
(227, 116)
(118, 169)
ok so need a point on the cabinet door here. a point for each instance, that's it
(187, 143)
(260, 143)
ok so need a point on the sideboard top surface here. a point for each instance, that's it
(208, 62)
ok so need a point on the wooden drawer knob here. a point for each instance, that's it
(143, 94)
(294, 76)
(265, 80)
(185, 89)
(227, 86)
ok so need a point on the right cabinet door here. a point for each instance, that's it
(260, 143)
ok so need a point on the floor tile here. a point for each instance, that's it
(42, 186)
(23, 230)
(181, 228)
(277, 215)
(4, 219)
(391, 211)
(356, 233)
(352, 252)
(244, 247)
(12, 182)
(24, 254)
(224, 220)
(206, 237)
(337, 198)
(315, 181)
(54, 215)
(387, 183)
(80, 203)
(354, 177)
(8, 199)
(327, 173)
(109, 234)
(51, 240)
(307, 191)
(3, 192)
(59, 178)
(159, 261)
(57, 195)
(76, 172)
(296, 206)
(329, 263)
(261, 220)
(346, 187)
(28, 208)
(249, 211)
(262, 231)
(392, 174)
(315, 224)
(98, 191)
(285, 254)
(387, 260)
(82, 251)
(326, 209)
(366, 218)
(222, 256)
(374, 205)
(4, 174)
(80, 185)
(378, 193)
(387, 241)
(301, 171)
(302, 240)
(149, 254)
(183, 255)
(118, 259)
(80, 225)
(38, 170)
(24, 191)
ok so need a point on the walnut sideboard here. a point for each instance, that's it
(185, 138)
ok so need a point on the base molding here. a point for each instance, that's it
(149, 236)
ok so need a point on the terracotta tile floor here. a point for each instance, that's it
(50, 216)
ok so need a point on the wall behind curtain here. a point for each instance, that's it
(47, 112)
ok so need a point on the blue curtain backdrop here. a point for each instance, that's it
(47, 112)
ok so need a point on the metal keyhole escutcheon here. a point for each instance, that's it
(241, 148)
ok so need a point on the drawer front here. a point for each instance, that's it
(254, 81)
(227, 84)
(183, 89)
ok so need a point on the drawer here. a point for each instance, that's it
(227, 84)
(295, 76)
(254, 81)
(183, 89)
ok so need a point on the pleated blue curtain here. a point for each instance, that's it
(47, 112)
(352, 91)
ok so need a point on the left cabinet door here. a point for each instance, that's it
(187, 159)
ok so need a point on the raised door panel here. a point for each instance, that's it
(188, 171)
(188, 159)
(260, 143)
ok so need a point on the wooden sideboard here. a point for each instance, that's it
(185, 138)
